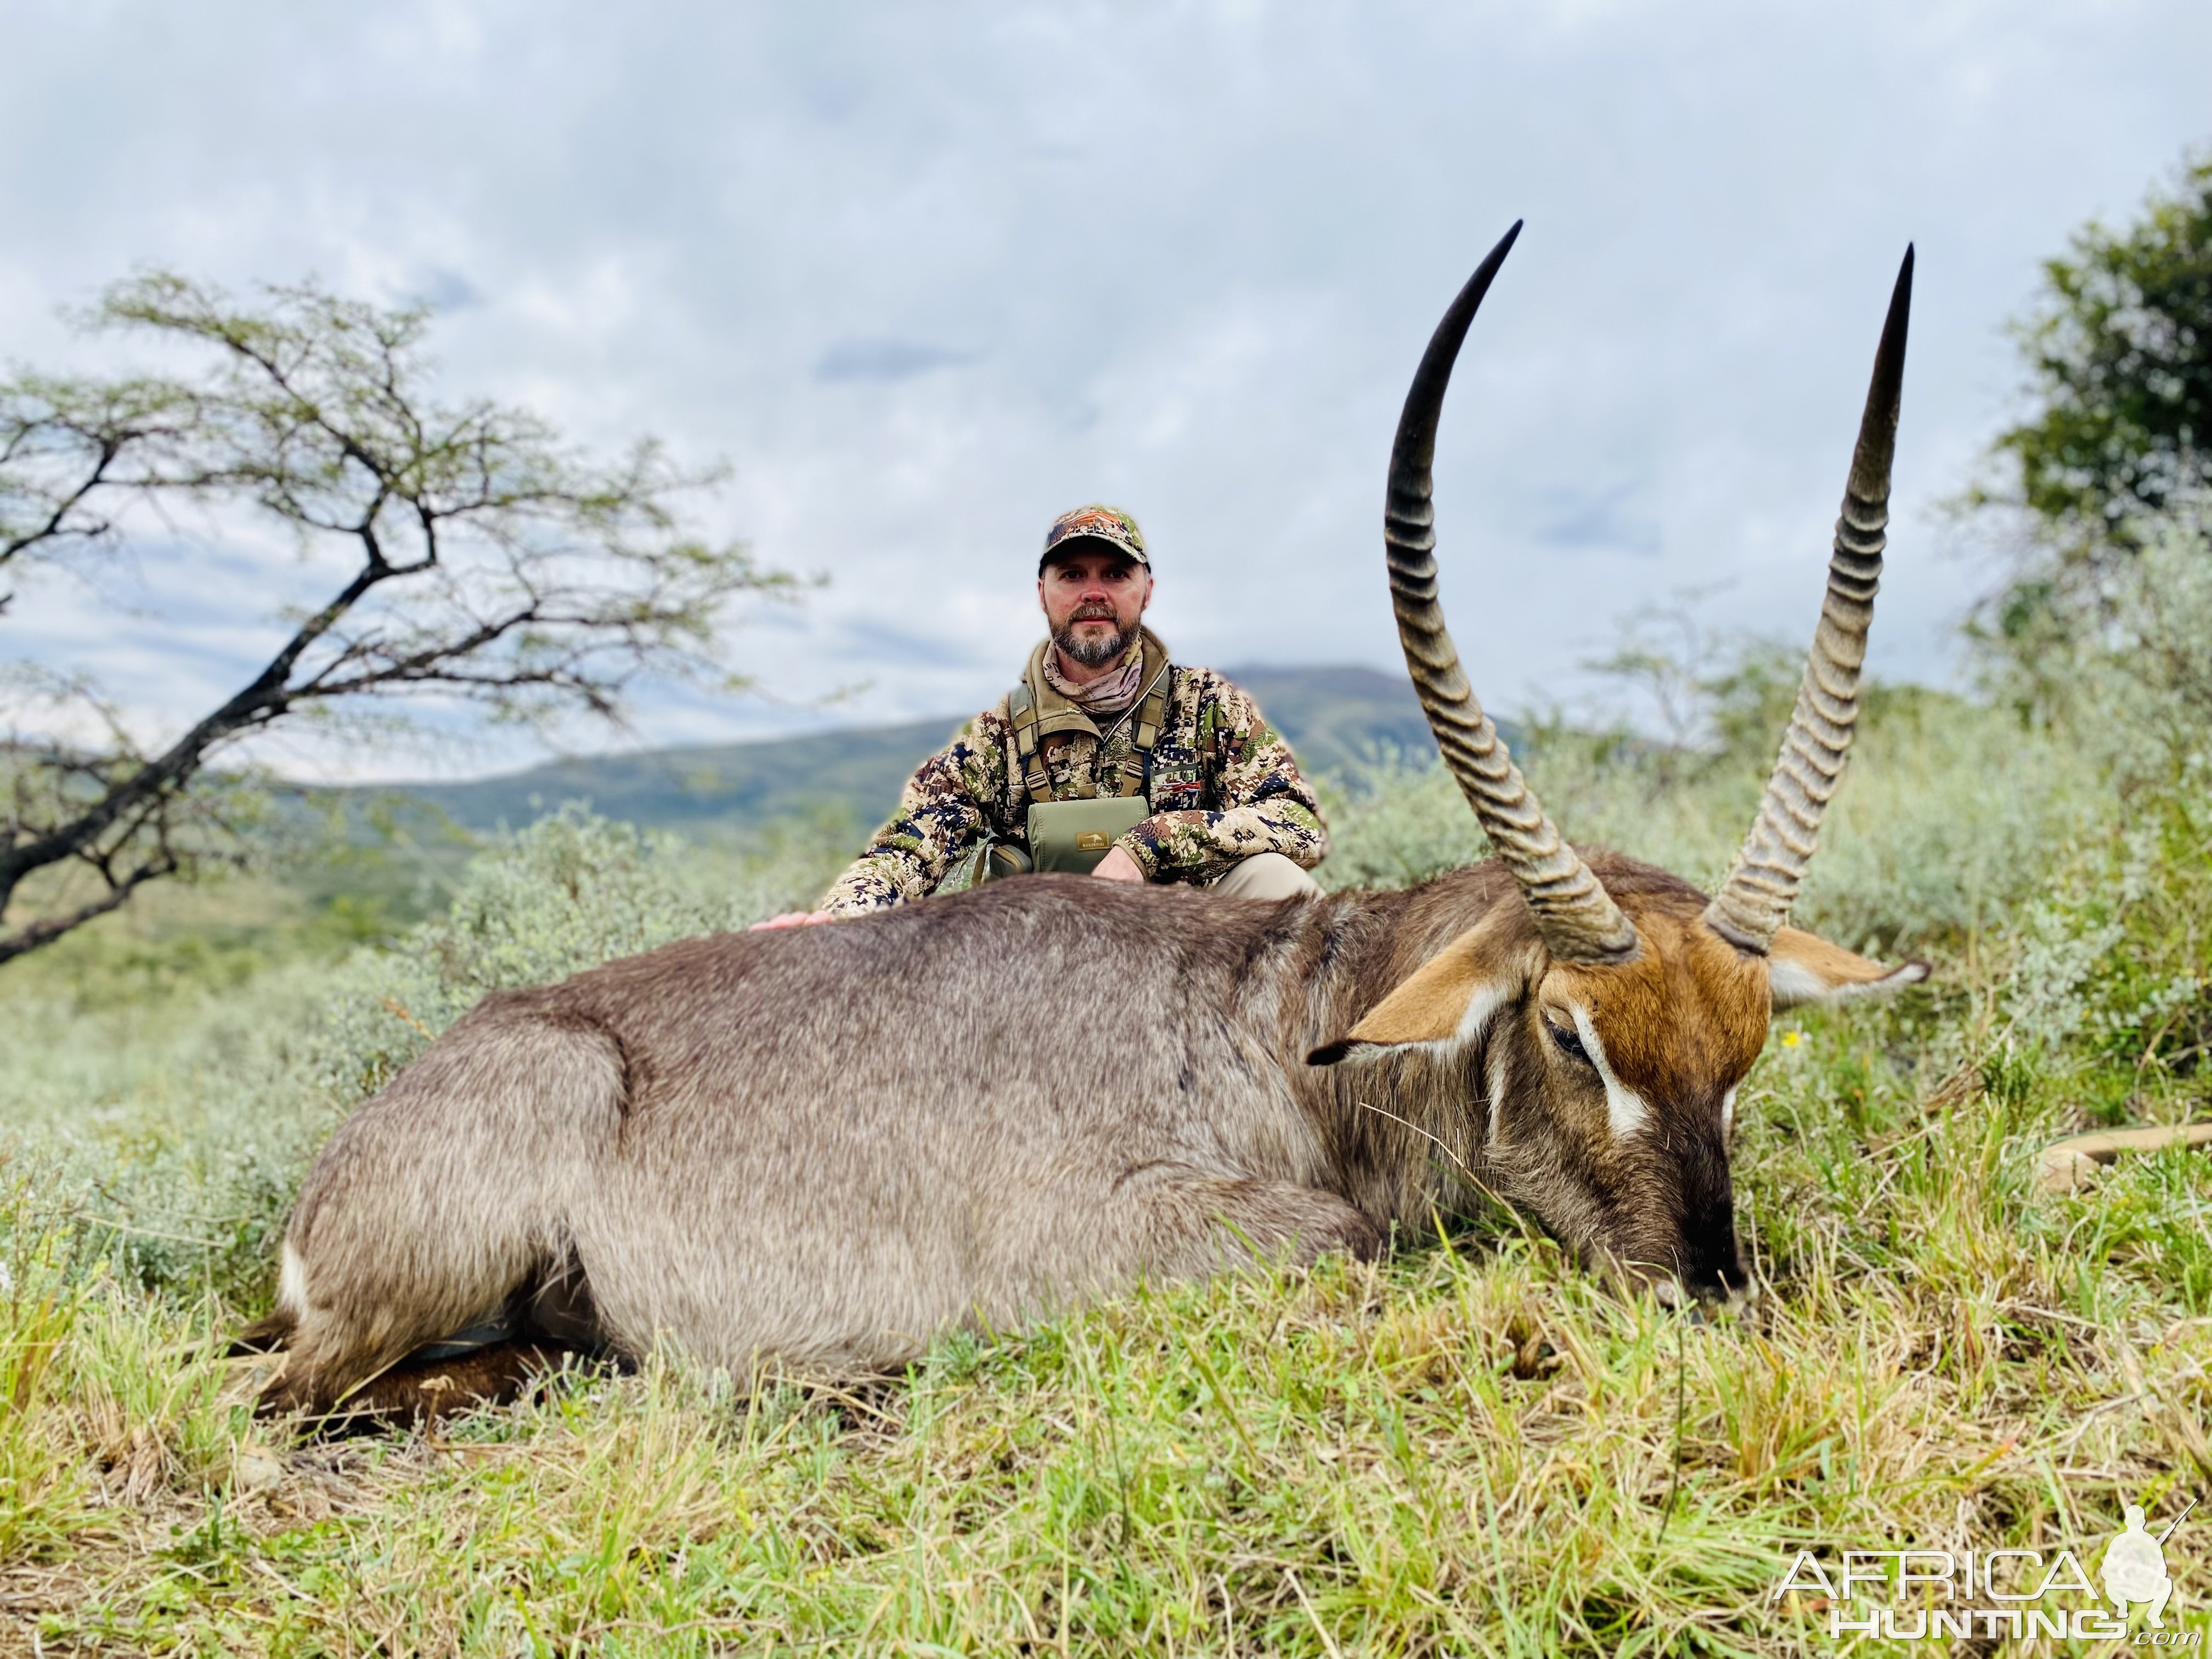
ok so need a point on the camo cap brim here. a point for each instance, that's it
(1096, 523)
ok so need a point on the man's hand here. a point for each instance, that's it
(794, 919)
(1118, 865)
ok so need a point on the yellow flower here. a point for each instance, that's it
(1791, 1039)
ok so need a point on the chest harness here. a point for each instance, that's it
(1074, 830)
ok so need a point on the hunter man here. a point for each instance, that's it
(1105, 758)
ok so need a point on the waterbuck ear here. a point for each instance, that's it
(1448, 999)
(1803, 967)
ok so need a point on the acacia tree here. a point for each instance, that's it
(473, 555)
(2119, 359)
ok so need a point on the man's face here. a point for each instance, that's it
(1093, 597)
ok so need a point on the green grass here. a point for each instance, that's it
(1471, 1448)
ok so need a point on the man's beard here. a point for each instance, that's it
(1091, 653)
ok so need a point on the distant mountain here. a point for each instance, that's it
(1339, 719)
(1336, 719)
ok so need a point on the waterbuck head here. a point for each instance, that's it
(1614, 1008)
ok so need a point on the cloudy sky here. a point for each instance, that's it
(926, 275)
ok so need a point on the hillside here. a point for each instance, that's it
(1335, 719)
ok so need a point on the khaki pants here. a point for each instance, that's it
(1265, 876)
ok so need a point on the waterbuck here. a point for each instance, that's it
(825, 1146)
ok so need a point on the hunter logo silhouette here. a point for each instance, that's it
(2134, 1567)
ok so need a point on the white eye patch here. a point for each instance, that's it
(1624, 1108)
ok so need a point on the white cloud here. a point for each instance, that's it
(927, 275)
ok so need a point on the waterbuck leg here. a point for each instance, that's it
(442, 1196)
(1189, 1224)
(430, 1391)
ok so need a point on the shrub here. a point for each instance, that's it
(570, 892)
(1943, 827)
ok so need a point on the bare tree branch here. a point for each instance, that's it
(47, 929)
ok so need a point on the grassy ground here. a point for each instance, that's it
(1470, 1449)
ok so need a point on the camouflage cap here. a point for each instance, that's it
(1096, 524)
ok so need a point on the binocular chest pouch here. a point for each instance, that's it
(1075, 835)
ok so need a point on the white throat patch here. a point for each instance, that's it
(1624, 1108)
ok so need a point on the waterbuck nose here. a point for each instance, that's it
(1706, 1258)
(1715, 1273)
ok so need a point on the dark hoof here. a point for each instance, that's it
(423, 1393)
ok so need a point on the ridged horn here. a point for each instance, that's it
(1754, 901)
(1578, 920)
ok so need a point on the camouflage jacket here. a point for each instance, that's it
(1222, 785)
